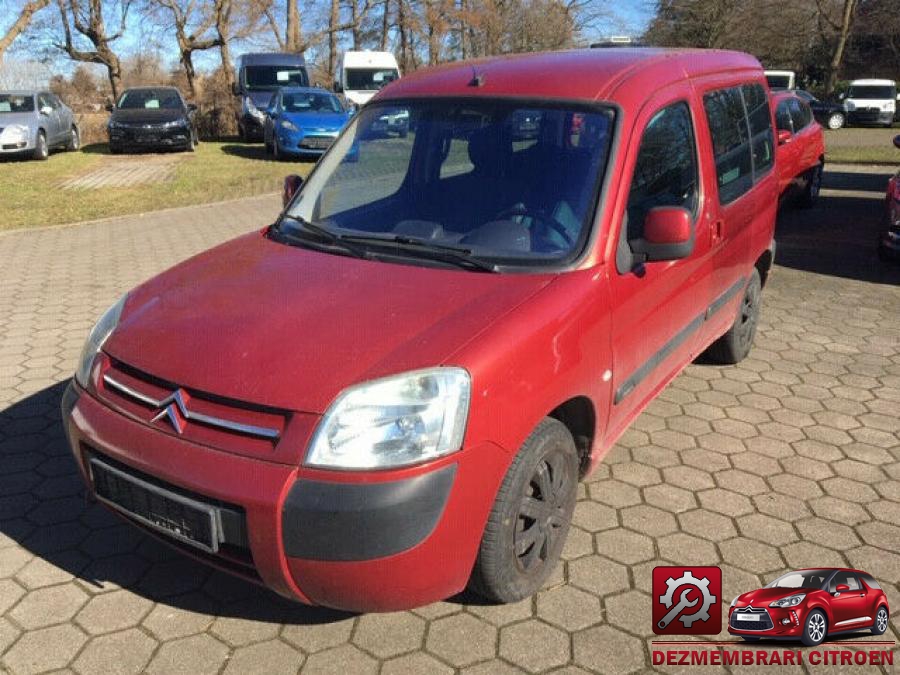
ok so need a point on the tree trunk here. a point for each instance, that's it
(356, 31)
(21, 23)
(333, 19)
(837, 57)
(187, 60)
(403, 29)
(385, 25)
(292, 30)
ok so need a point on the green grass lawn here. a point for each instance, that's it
(861, 146)
(31, 194)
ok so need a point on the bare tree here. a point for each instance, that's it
(192, 32)
(86, 19)
(21, 23)
(842, 27)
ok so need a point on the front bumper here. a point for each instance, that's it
(870, 117)
(300, 143)
(890, 242)
(770, 623)
(359, 541)
(150, 137)
(253, 126)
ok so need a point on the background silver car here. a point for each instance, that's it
(33, 122)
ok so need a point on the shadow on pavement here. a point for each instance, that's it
(258, 152)
(839, 235)
(43, 509)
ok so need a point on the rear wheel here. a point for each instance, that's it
(835, 120)
(734, 345)
(881, 621)
(74, 140)
(815, 629)
(528, 524)
(813, 186)
(41, 151)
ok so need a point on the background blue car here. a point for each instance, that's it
(303, 121)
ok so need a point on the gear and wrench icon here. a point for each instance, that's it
(701, 584)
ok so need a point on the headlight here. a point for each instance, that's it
(16, 131)
(287, 124)
(789, 601)
(395, 421)
(253, 110)
(734, 602)
(114, 125)
(174, 123)
(101, 330)
(889, 106)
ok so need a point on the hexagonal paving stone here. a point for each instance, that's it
(802, 553)
(569, 608)
(598, 575)
(10, 592)
(606, 649)
(534, 646)
(624, 546)
(670, 498)
(648, 520)
(594, 517)
(615, 493)
(265, 658)
(503, 614)
(839, 510)
(31, 655)
(751, 555)
(851, 490)
(882, 535)
(418, 663)
(877, 562)
(725, 502)
(707, 524)
(781, 506)
(827, 533)
(47, 606)
(236, 631)
(116, 654)
(193, 655)
(578, 543)
(630, 611)
(461, 640)
(113, 611)
(639, 475)
(314, 637)
(688, 477)
(340, 661)
(688, 549)
(386, 635)
(767, 529)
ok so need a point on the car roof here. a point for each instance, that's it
(779, 95)
(22, 92)
(873, 82)
(832, 569)
(580, 74)
(305, 90)
(155, 87)
(271, 59)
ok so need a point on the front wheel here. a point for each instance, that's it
(734, 345)
(528, 524)
(813, 185)
(815, 629)
(881, 621)
(835, 121)
(41, 151)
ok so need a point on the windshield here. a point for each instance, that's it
(271, 77)
(872, 91)
(778, 81)
(150, 98)
(369, 79)
(806, 95)
(313, 102)
(16, 103)
(462, 174)
(801, 579)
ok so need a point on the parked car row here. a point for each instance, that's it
(34, 122)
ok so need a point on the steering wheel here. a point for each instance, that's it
(538, 216)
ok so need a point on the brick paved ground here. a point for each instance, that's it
(791, 459)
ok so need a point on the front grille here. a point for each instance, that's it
(317, 142)
(764, 623)
(194, 415)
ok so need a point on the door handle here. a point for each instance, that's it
(862, 595)
(717, 229)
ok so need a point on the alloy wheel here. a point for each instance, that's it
(542, 511)
(835, 121)
(816, 627)
(881, 620)
(749, 316)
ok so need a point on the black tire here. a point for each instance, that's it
(191, 144)
(532, 512)
(881, 621)
(813, 185)
(835, 121)
(115, 149)
(815, 629)
(750, 639)
(734, 345)
(41, 152)
(74, 139)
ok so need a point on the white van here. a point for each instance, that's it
(361, 74)
(871, 102)
(781, 79)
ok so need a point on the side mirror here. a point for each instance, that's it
(236, 89)
(292, 183)
(192, 107)
(842, 588)
(46, 110)
(784, 136)
(109, 106)
(668, 235)
(842, 96)
(897, 141)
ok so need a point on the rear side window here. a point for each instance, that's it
(757, 104)
(741, 129)
(800, 114)
(870, 581)
(783, 117)
(665, 173)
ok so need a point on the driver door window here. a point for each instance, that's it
(847, 578)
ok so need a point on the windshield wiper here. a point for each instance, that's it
(328, 236)
(455, 255)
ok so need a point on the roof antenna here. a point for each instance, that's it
(477, 79)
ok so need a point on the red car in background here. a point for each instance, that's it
(801, 148)
(889, 246)
(809, 605)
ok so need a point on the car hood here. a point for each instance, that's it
(8, 119)
(312, 122)
(287, 327)
(146, 115)
(761, 597)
